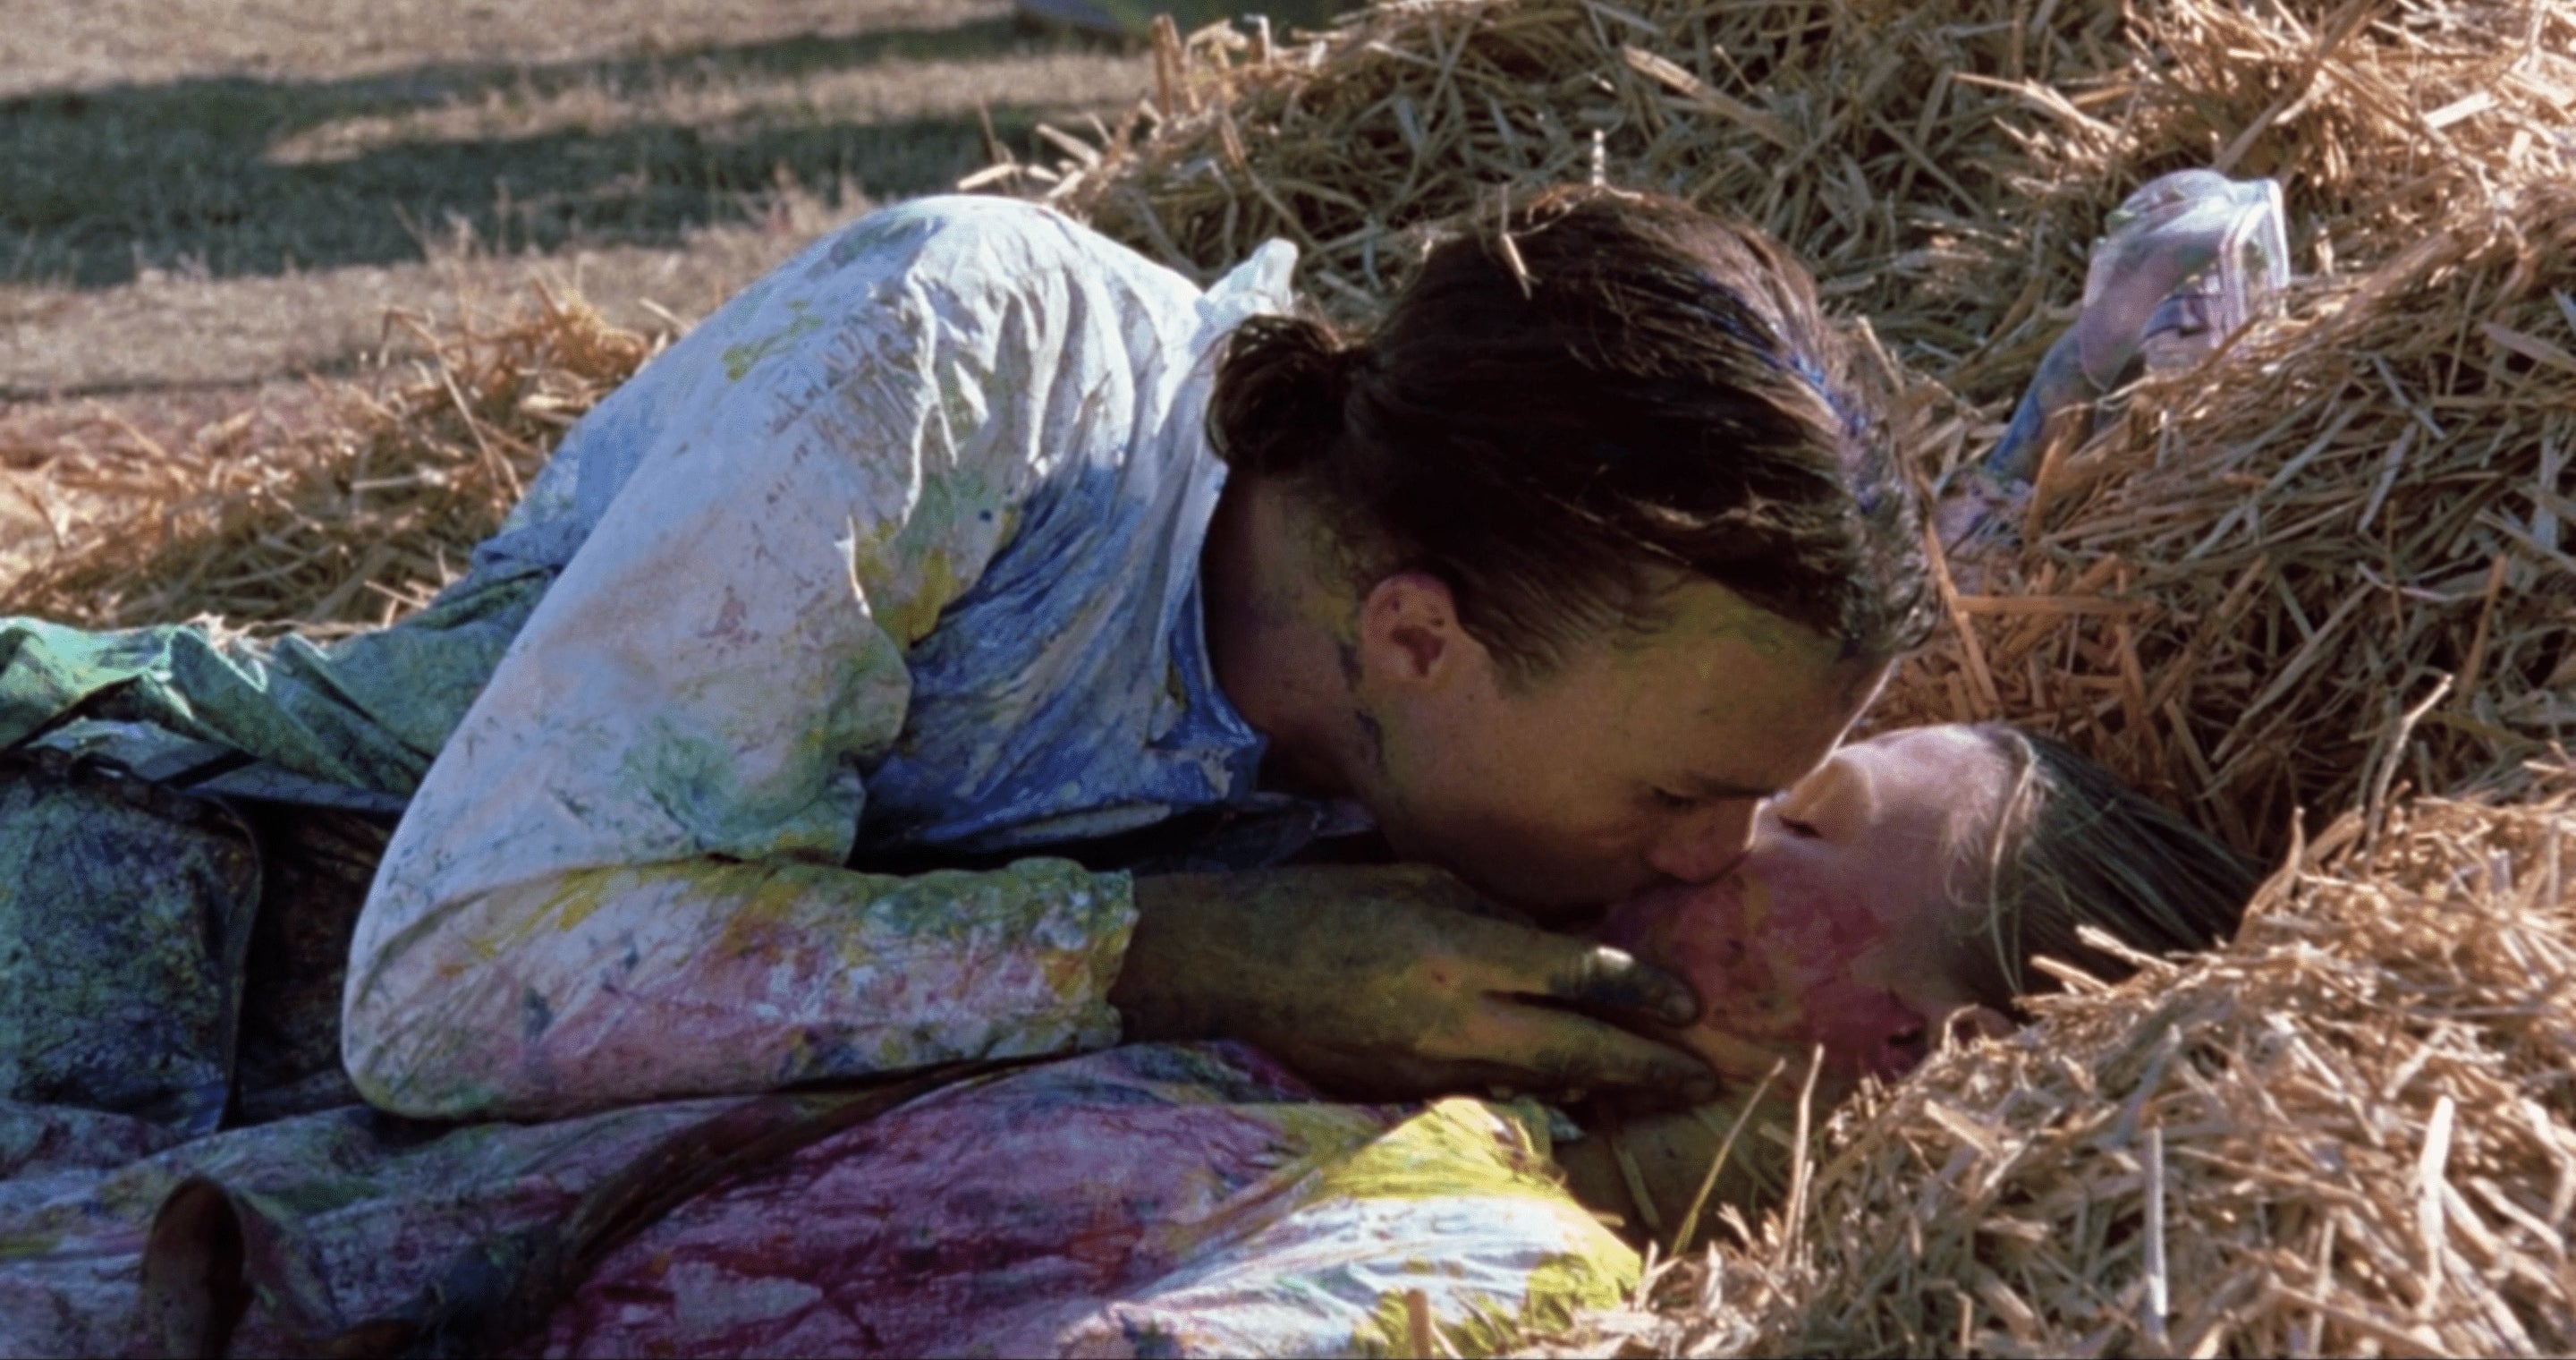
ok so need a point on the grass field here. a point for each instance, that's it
(206, 199)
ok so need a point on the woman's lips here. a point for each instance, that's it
(1637, 924)
(1631, 925)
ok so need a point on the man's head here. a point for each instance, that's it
(1631, 762)
(1620, 543)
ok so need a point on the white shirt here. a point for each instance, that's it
(897, 549)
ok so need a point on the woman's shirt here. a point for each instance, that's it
(1151, 1199)
(896, 552)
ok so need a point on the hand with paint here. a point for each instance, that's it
(1392, 982)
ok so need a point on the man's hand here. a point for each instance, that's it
(1390, 982)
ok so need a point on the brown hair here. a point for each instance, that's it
(1559, 412)
(2073, 846)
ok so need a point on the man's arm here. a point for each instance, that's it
(620, 880)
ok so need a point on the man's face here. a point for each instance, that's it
(1635, 764)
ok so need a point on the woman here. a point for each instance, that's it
(1200, 1199)
(1894, 900)
(965, 553)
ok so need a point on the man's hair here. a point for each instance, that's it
(2072, 846)
(1567, 413)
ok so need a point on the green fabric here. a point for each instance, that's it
(125, 914)
(369, 711)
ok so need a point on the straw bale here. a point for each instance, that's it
(2352, 1132)
(2240, 587)
(338, 520)
(2325, 567)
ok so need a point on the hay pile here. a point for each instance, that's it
(344, 518)
(2237, 596)
(1942, 166)
(2353, 1133)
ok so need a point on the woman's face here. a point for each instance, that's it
(1637, 763)
(1841, 925)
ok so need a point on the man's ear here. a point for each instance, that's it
(1409, 634)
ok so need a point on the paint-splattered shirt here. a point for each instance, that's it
(1147, 1200)
(897, 552)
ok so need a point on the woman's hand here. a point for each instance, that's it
(1651, 1173)
(1394, 982)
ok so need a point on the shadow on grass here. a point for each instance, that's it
(102, 184)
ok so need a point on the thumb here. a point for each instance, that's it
(1597, 975)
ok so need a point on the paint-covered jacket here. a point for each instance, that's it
(894, 554)
(1146, 1200)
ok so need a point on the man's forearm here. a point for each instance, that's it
(713, 977)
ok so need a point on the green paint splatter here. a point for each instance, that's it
(27, 1247)
(740, 358)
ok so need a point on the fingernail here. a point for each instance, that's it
(1681, 1008)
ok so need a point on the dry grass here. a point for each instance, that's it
(2238, 594)
(103, 43)
(209, 343)
(1941, 166)
(1842, 128)
(205, 205)
(326, 161)
(346, 518)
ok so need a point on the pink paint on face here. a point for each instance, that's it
(1840, 926)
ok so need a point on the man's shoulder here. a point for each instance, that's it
(958, 239)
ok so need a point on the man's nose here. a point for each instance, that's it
(1701, 848)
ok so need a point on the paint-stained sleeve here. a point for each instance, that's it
(620, 880)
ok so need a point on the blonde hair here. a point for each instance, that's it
(2071, 846)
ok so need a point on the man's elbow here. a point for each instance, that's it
(417, 1051)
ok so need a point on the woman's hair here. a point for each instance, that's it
(1564, 409)
(2072, 846)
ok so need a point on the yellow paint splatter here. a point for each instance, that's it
(911, 620)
